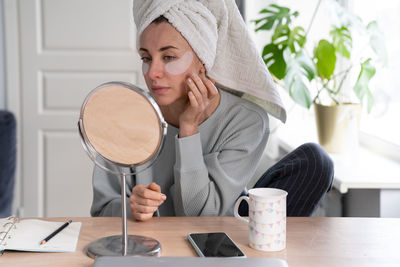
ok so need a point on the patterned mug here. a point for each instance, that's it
(267, 218)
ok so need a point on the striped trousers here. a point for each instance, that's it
(305, 173)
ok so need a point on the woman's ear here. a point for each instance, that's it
(202, 69)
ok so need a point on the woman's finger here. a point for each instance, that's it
(142, 216)
(142, 212)
(144, 192)
(198, 97)
(192, 99)
(200, 85)
(212, 90)
(145, 201)
(143, 209)
(155, 187)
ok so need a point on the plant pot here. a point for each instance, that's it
(338, 126)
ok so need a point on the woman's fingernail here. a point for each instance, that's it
(190, 80)
(163, 197)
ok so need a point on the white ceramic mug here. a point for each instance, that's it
(267, 218)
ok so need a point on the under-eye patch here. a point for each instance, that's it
(180, 65)
(145, 68)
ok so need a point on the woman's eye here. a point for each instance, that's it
(146, 59)
(169, 58)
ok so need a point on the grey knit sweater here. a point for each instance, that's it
(203, 174)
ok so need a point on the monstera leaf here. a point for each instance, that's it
(361, 87)
(376, 40)
(286, 57)
(296, 36)
(299, 67)
(276, 15)
(273, 52)
(281, 35)
(342, 41)
(285, 37)
(273, 58)
(325, 57)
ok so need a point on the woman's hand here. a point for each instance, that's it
(145, 200)
(201, 93)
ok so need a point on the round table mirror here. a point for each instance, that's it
(122, 125)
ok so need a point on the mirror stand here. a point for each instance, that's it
(115, 119)
(125, 245)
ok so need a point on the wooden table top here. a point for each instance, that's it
(360, 242)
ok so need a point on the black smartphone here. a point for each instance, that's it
(215, 245)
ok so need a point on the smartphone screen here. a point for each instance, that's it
(214, 245)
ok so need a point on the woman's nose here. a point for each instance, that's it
(156, 70)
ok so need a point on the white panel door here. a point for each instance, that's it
(66, 48)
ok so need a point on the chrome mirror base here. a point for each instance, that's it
(112, 246)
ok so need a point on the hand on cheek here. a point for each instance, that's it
(201, 92)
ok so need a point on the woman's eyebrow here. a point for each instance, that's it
(161, 49)
(167, 47)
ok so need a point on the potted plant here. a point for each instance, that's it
(319, 76)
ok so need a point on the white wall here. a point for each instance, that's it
(2, 59)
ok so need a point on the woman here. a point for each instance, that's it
(215, 139)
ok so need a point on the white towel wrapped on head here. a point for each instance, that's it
(217, 33)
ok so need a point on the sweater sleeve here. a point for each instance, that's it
(107, 194)
(208, 184)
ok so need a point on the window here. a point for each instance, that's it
(381, 128)
(383, 122)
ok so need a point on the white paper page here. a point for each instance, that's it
(30, 233)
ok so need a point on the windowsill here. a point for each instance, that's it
(360, 169)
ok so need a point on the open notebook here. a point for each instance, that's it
(26, 235)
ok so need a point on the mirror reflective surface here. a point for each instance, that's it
(122, 124)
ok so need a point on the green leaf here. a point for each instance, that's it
(278, 15)
(306, 64)
(325, 57)
(284, 37)
(273, 58)
(269, 22)
(281, 35)
(361, 87)
(265, 11)
(342, 40)
(296, 36)
(299, 67)
(376, 39)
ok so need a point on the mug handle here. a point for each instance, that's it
(236, 208)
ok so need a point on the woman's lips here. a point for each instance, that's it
(159, 89)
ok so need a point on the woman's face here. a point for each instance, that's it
(167, 62)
